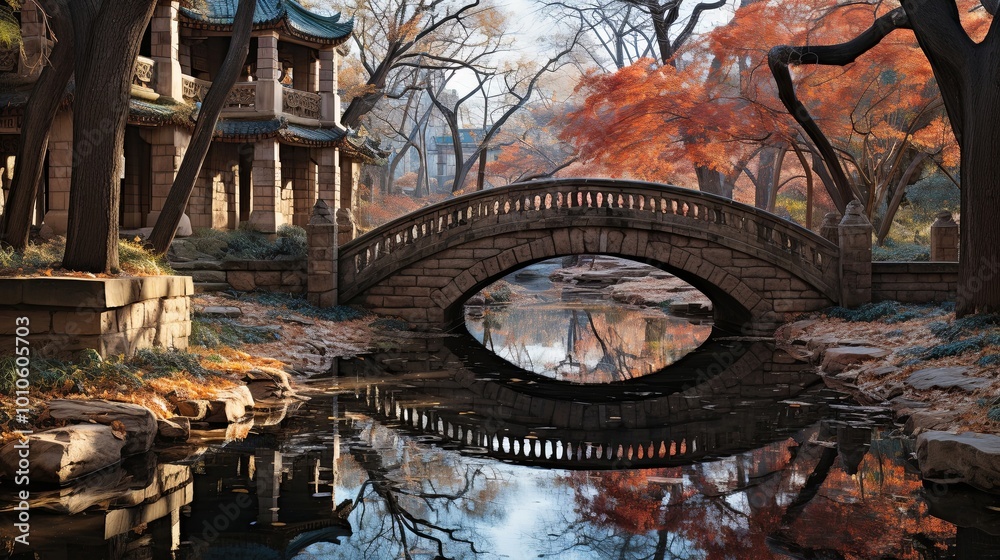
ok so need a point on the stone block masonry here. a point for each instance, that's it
(109, 315)
(266, 276)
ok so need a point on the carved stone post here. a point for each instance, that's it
(855, 236)
(830, 228)
(347, 229)
(322, 256)
(944, 238)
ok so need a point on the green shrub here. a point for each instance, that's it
(290, 242)
(931, 195)
(301, 305)
(973, 324)
(213, 333)
(35, 255)
(994, 414)
(135, 259)
(866, 313)
(902, 252)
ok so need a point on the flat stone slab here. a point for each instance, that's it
(970, 458)
(139, 421)
(219, 311)
(836, 360)
(61, 454)
(946, 378)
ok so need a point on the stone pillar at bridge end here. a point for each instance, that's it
(855, 240)
(944, 238)
(322, 256)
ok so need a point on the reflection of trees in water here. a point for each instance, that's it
(413, 501)
(587, 344)
(796, 500)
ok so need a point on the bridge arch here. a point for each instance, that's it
(755, 267)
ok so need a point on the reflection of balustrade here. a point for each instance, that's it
(300, 103)
(642, 202)
(143, 73)
(9, 58)
(242, 96)
(194, 89)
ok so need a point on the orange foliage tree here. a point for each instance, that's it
(718, 108)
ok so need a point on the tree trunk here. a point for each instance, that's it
(201, 140)
(712, 182)
(43, 104)
(108, 35)
(979, 257)
(481, 175)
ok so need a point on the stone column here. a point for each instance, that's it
(322, 256)
(165, 50)
(60, 171)
(347, 229)
(168, 146)
(328, 84)
(944, 238)
(266, 215)
(268, 71)
(329, 174)
(829, 230)
(855, 235)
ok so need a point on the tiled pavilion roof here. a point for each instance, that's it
(285, 16)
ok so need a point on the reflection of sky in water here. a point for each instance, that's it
(586, 342)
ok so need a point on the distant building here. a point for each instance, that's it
(442, 155)
(278, 146)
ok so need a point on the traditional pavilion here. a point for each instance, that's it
(278, 146)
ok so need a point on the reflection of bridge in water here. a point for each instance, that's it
(465, 398)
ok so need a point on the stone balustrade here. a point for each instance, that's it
(300, 103)
(142, 75)
(194, 89)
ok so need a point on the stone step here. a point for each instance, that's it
(208, 275)
(205, 287)
(196, 265)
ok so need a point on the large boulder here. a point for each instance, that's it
(174, 429)
(62, 454)
(970, 458)
(229, 405)
(946, 378)
(836, 360)
(139, 421)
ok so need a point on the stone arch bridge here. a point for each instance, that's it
(755, 267)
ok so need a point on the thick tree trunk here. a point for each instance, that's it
(979, 256)
(713, 182)
(201, 140)
(43, 104)
(108, 35)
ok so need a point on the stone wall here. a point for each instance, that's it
(914, 282)
(268, 276)
(110, 315)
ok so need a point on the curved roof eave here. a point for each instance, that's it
(285, 16)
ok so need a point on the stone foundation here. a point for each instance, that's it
(914, 282)
(110, 315)
(268, 276)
